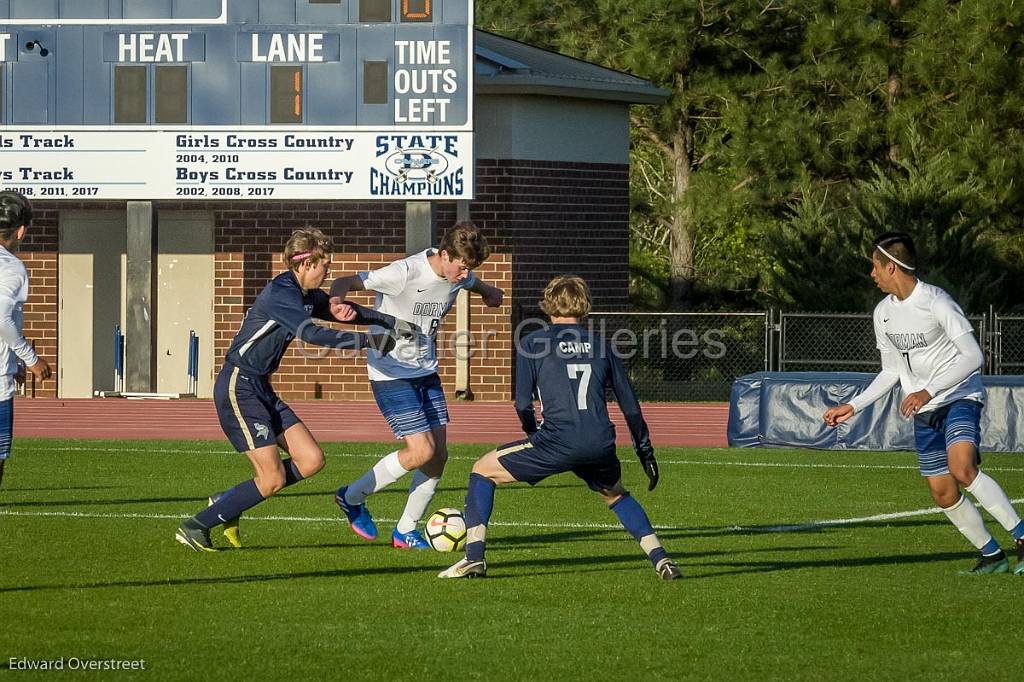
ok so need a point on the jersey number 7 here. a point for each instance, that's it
(583, 373)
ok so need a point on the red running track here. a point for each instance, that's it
(671, 424)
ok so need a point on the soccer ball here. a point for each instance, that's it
(446, 530)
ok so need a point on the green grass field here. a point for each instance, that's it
(89, 569)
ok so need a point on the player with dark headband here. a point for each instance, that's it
(15, 219)
(928, 347)
(254, 419)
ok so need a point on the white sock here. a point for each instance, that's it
(384, 473)
(421, 492)
(967, 519)
(994, 500)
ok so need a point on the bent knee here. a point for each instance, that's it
(964, 473)
(270, 485)
(946, 498)
(420, 450)
(313, 465)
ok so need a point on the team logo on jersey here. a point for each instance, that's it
(429, 309)
(417, 165)
(905, 342)
(262, 431)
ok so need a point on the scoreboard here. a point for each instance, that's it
(237, 99)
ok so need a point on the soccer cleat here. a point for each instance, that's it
(410, 540)
(1020, 558)
(465, 569)
(197, 538)
(358, 516)
(231, 532)
(667, 570)
(997, 563)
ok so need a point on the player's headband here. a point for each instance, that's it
(303, 256)
(894, 259)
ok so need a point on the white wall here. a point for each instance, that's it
(541, 128)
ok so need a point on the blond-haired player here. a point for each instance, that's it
(568, 368)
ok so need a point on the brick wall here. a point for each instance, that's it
(542, 218)
(557, 218)
(39, 253)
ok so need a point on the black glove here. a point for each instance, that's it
(650, 465)
(383, 343)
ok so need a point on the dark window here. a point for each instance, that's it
(172, 94)
(375, 82)
(286, 94)
(417, 10)
(374, 11)
(130, 90)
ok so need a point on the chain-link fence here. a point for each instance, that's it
(835, 342)
(678, 356)
(1007, 346)
(694, 357)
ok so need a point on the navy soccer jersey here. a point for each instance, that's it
(569, 369)
(283, 312)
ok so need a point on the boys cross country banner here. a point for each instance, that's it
(301, 163)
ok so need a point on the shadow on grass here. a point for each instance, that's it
(743, 567)
(230, 580)
(550, 566)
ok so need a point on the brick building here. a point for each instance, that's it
(552, 195)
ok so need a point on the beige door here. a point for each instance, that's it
(91, 271)
(184, 300)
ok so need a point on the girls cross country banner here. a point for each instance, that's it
(299, 163)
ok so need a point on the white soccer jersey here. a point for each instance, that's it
(13, 294)
(920, 330)
(410, 290)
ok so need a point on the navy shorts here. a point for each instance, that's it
(532, 462)
(411, 405)
(250, 413)
(6, 427)
(937, 430)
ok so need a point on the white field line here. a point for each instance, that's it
(814, 525)
(687, 462)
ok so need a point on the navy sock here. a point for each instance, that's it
(291, 472)
(1018, 531)
(634, 519)
(479, 504)
(992, 548)
(242, 497)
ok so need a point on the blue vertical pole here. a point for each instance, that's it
(118, 358)
(193, 357)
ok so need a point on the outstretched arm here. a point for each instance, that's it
(879, 387)
(493, 296)
(342, 285)
(288, 310)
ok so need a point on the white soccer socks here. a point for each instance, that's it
(991, 496)
(384, 473)
(967, 519)
(421, 492)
